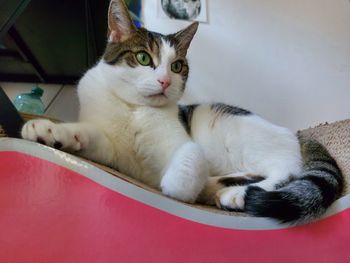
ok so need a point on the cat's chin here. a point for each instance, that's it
(157, 100)
(159, 96)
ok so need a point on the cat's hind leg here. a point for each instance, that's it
(232, 197)
(217, 183)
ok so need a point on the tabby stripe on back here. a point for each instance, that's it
(228, 109)
(185, 116)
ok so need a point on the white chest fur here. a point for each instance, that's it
(144, 138)
(158, 133)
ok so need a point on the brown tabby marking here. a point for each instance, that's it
(144, 40)
(237, 181)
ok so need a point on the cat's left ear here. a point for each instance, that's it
(185, 36)
(120, 25)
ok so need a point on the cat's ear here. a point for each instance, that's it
(185, 36)
(120, 25)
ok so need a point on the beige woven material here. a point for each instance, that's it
(335, 137)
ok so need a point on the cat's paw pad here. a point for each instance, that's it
(231, 198)
(51, 134)
(40, 131)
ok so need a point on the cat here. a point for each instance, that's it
(215, 154)
(182, 9)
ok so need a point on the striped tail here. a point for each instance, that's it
(305, 198)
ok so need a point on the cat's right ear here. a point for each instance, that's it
(120, 25)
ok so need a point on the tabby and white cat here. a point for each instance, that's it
(130, 120)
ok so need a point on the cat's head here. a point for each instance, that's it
(148, 68)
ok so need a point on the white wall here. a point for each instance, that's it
(66, 105)
(287, 60)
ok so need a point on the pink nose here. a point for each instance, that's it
(165, 83)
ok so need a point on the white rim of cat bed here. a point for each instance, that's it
(150, 198)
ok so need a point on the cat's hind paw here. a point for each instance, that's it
(54, 135)
(231, 198)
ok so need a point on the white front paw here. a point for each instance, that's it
(54, 135)
(231, 198)
(181, 188)
(186, 174)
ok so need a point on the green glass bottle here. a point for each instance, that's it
(30, 102)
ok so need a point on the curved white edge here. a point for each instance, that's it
(154, 200)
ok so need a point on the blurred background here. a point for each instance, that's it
(286, 60)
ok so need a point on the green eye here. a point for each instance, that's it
(176, 66)
(143, 58)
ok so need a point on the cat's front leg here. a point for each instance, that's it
(54, 135)
(186, 174)
(83, 139)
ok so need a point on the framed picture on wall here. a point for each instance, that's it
(190, 10)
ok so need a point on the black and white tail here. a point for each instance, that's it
(305, 198)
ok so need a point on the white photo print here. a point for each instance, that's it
(191, 10)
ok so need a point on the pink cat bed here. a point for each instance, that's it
(59, 208)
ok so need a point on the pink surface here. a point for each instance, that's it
(51, 214)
